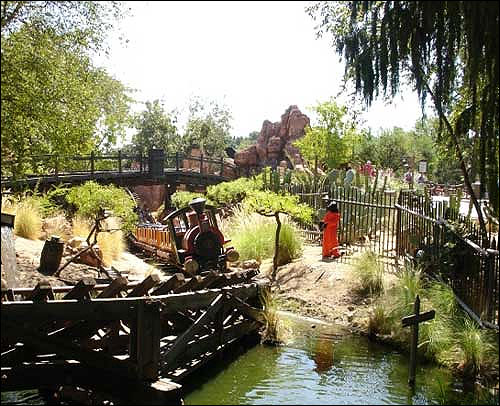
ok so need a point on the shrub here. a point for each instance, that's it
(229, 193)
(90, 197)
(370, 273)
(253, 236)
(182, 198)
(28, 223)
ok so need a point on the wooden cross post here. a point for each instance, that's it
(413, 321)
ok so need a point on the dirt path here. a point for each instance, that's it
(322, 289)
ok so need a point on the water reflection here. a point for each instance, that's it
(323, 355)
(320, 366)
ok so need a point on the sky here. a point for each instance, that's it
(257, 58)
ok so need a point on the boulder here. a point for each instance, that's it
(275, 142)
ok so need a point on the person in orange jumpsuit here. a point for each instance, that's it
(330, 225)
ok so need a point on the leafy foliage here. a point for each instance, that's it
(54, 100)
(332, 142)
(230, 193)
(155, 129)
(182, 198)
(270, 203)
(447, 50)
(207, 128)
(90, 197)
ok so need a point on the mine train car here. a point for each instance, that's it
(189, 239)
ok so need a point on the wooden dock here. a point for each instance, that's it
(135, 342)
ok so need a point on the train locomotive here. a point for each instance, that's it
(189, 240)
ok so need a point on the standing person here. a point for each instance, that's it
(349, 177)
(330, 226)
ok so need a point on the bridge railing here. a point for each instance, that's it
(50, 165)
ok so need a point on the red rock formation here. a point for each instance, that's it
(274, 143)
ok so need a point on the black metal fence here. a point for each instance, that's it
(404, 224)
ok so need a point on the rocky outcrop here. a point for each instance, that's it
(275, 142)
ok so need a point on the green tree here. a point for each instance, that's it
(270, 204)
(208, 128)
(447, 50)
(332, 142)
(54, 100)
(155, 129)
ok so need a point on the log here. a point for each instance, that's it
(144, 287)
(172, 283)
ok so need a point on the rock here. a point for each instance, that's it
(88, 258)
(350, 308)
(250, 264)
(77, 242)
(275, 142)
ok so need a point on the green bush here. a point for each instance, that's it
(230, 193)
(182, 198)
(90, 197)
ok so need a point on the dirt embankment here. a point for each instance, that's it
(28, 261)
(326, 290)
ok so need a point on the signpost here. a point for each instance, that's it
(413, 321)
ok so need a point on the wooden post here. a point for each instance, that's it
(221, 166)
(201, 164)
(92, 163)
(145, 337)
(141, 162)
(177, 161)
(120, 161)
(413, 321)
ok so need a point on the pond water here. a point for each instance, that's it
(322, 366)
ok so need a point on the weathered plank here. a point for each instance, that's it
(81, 289)
(145, 340)
(144, 287)
(169, 285)
(210, 342)
(181, 342)
(191, 284)
(52, 344)
(41, 292)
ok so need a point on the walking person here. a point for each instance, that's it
(330, 225)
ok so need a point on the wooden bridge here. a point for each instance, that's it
(132, 342)
(120, 169)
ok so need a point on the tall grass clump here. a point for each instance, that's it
(28, 222)
(409, 284)
(253, 236)
(274, 331)
(369, 271)
(112, 242)
(474, 349)
(379, 321)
